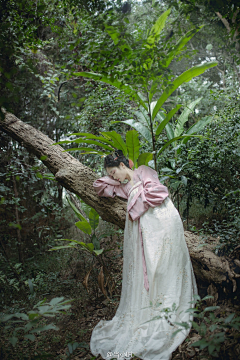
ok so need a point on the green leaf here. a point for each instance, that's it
(211, 348)
(61, 247)
(90, 246)
(133, 145)
(29, 336)
(157, 28)
(84, 226)
(142, 117)
(143, 130)
(201, 344)
(93, 218)
(183, 118)
(91, 136)
(86, 208)
(184, 180)
(166, 120)
(229, 318)
(13, 340)
(44, 328)
(144, 158)
(56, 300)
(113, 33)
(98, 252)
(117, 140)
(80, 140)
(77, 212)
(87, 151)
(176, 49)
(198, 126)
(95, 242)
(185, 77)
(211, 308)
(114, 82)
(169, 131)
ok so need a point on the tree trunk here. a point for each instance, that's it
(218, 274)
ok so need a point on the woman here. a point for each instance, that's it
(157, 271)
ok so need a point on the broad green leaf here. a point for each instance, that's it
(157, 28)
(211, 308)
(33, 316)
(229, 318)
(113, 33)
(114, 82)
(98, 252)
(198, 126)
(87, 151)
(74, 241)
(13, 340)
(30, 337)
(80, 140)
(211, 348)
(143, 130)
(185, 77)
(93, 219)
(117, 141)
(84, 226)
(201, 344)
(91, 136)
(184, 180)
(56, 300)
(176, 49)
(166, 120)
(44, 328)
(142, 117)
(95, 242)
(17, 315)
(90, 246)
(133, 145)
(169, 131)
(183, 118)
(79, 215)
(144, 159)
(86, 208)
(61, 247)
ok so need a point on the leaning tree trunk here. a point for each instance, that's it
(217, 273)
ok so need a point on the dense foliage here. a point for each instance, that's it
(44, 48)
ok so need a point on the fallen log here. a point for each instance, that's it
(219, 274)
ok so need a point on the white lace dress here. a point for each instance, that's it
(139, 326)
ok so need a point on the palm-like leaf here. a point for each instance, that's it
(133, 145)
(185, 77)
(127, 89)
(183, 118)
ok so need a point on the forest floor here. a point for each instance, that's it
(89, 307)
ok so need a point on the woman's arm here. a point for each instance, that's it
(108, 187)
(151, 193)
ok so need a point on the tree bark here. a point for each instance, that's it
(219, 274)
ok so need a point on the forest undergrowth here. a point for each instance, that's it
(62, 274)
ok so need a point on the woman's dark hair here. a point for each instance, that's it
(110, 162)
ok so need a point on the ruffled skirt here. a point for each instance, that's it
(144, 321)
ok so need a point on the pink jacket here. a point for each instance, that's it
(150, 193)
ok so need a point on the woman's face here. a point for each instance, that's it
(117, 173)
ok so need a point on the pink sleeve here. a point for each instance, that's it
(108, 187)
(151, 193)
